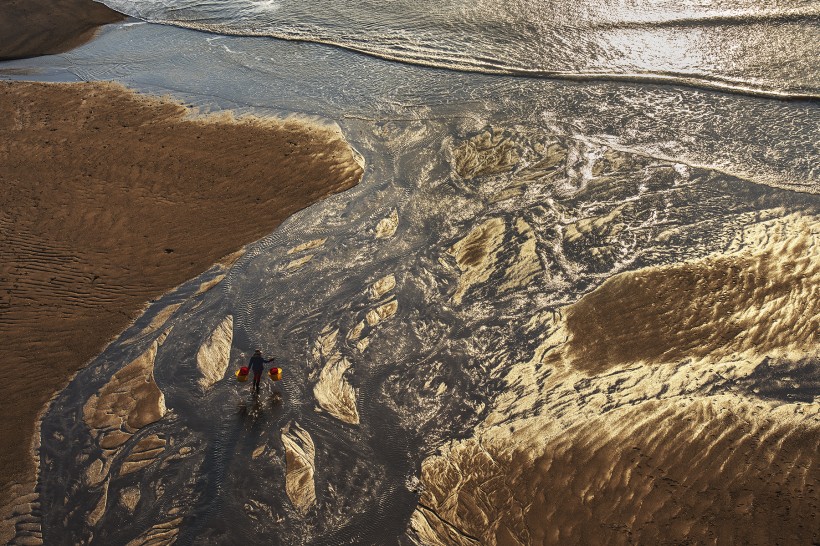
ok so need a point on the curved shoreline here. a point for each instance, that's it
(114, 198)
(35, 31)
(668, 78)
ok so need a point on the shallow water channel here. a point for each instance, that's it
(488, 199)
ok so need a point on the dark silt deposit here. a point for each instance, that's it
(534, 279)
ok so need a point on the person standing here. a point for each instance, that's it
(257, 364)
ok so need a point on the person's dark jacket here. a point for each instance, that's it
(257, 363)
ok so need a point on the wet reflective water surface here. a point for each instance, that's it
(402, 310)
(734, 44)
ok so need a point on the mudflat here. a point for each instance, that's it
(107, 200)
(43, 27)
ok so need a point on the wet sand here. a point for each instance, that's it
(673, 405)
(108, 200)
(763, 303)
(690, 472)
(41, 27)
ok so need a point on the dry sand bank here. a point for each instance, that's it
(41, 27)
(109, 199)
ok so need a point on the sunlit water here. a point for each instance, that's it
(769, 47)
(696, 165)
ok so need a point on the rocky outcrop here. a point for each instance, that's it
(214, 354)
(300, 467)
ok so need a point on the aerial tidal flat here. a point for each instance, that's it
(529, 278)
(98, 220)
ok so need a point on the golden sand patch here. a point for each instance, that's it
(382, 286)
(326, 343)
(382, 312)
(527, 264)
(356, 332)
(333, 392)
(128, 402)
(387, 226)
(484, 154)
(763, 298)
(293, 265)
(315, 243)
(645, 474)
(208, 285)
(602, 226)
(630, 422)
(300, 467)
(214, 354)
(476, 254)
(160, 318)
(129, 498)
(363, 344)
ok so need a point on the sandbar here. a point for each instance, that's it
(108, 199)
(43, 27)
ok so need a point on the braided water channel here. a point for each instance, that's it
(488, 200)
